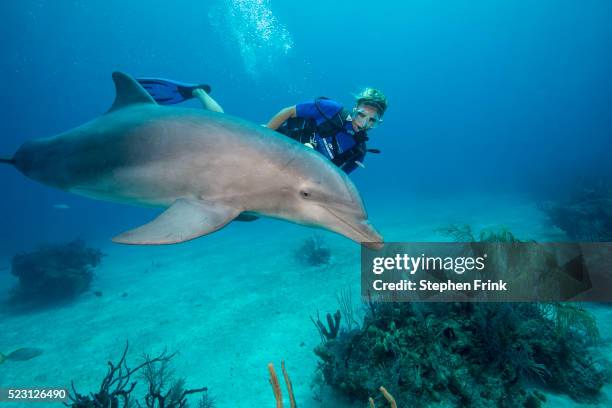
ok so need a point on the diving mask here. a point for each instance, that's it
(364, 119)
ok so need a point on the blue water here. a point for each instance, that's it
(493, 106)
(483, 95)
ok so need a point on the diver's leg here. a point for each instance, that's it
(206, 100)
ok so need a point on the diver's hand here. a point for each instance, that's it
(309, 145)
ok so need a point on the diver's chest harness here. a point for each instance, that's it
(305, 131)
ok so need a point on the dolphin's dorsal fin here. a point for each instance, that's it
(128, 92)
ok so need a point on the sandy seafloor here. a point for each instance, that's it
(234, 301)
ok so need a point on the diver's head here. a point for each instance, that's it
(370, 106)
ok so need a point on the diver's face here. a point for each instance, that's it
(364, 117)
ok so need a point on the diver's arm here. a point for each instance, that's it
(206, 100)
(280, 117)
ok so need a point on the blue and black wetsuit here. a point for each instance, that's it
(328, 127)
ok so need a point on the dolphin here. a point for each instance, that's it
(205, 169)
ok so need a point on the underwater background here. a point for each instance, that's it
(495, 109)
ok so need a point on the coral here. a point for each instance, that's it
(466, 354)
(276, 388)
(460, 353)
(162, 389)
(458, 233)
(569, 316)
(313, 251)
(345, 301)
(333, 326)
(387, 396)
(54, 272)
(207, 401)
(289, 385)
(464, 233)
(499, 235)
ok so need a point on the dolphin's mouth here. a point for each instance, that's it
(367, 232)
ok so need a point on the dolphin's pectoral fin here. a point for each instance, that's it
(128, 92)
(182, 221)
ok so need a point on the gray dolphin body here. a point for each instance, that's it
(205, 168)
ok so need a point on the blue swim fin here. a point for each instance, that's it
(169, 92)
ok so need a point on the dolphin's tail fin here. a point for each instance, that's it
(7, 160)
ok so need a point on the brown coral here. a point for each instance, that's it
(276, 386)
(387, 396)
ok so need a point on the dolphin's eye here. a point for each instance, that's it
(304, 194)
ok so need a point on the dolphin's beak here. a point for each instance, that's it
(358, 230)
(374, 245)
(374, 239)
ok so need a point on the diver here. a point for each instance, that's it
(338, 134)
(170, 92)
(323, 124)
